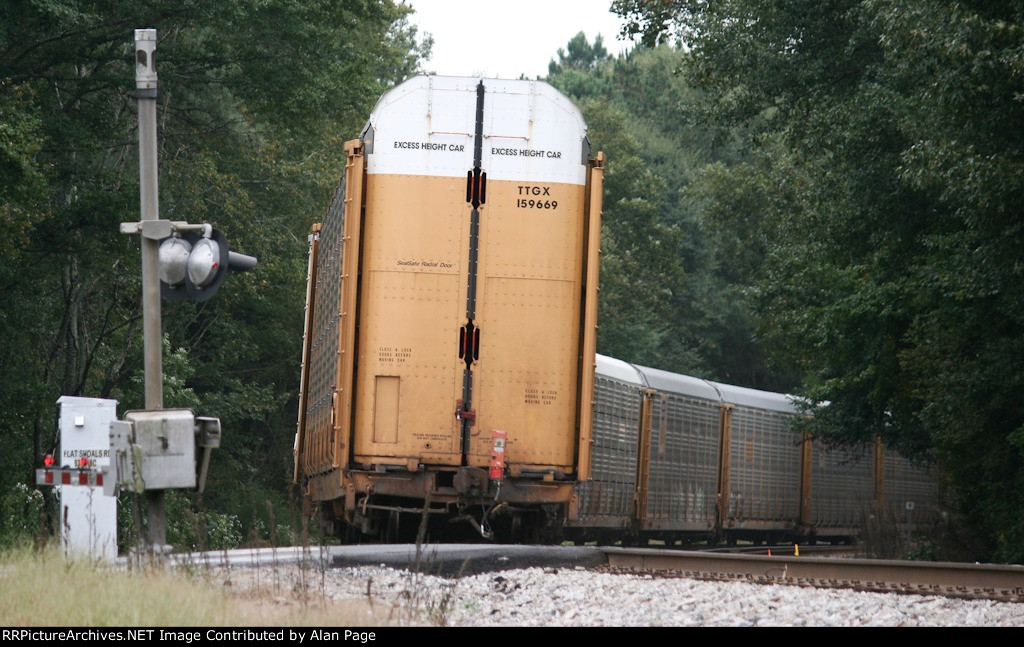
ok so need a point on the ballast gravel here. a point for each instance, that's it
(546, 597)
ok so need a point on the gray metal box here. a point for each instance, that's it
(167, 440)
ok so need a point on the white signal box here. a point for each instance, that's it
(88, 517)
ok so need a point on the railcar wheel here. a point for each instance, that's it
(515, 532)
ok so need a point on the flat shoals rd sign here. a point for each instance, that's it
(88, 518)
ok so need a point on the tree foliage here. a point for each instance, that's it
(666, 296)
(255, 101)
(884, 180)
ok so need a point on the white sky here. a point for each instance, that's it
(506, 38)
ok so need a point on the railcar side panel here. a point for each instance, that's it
(329, 329)
(764, 463)
(607, 501)
(765, 468)
(910, 493)
(680, 487)
(841, 489)
(311, 268)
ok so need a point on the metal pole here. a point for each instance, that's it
(146, 85)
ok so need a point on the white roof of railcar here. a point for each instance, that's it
(426, 126)
(755, 399)
(616, 369)
(695, 387)
(681, 384)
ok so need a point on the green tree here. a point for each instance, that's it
(255, 101)
(885, 184)
(579, 54)
(667, 297)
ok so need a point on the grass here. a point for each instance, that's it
(41, 588)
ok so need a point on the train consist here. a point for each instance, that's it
(449, 370)
(680, 459)
(450, 333)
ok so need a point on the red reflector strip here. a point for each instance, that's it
(69, 477)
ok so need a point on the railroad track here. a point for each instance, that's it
(969, 581)
(782, 550)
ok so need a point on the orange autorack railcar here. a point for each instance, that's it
(449, 343)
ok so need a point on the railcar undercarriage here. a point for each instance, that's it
(463, 505)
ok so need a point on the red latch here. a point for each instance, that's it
(465, 415)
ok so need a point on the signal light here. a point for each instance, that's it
(173, 260)
(83, 462)
(48, 460)
(193, 265)
(204, 262)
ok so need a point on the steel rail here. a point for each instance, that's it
(973, 581)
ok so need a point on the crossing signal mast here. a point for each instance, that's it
(159, 448)
(155, 449)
